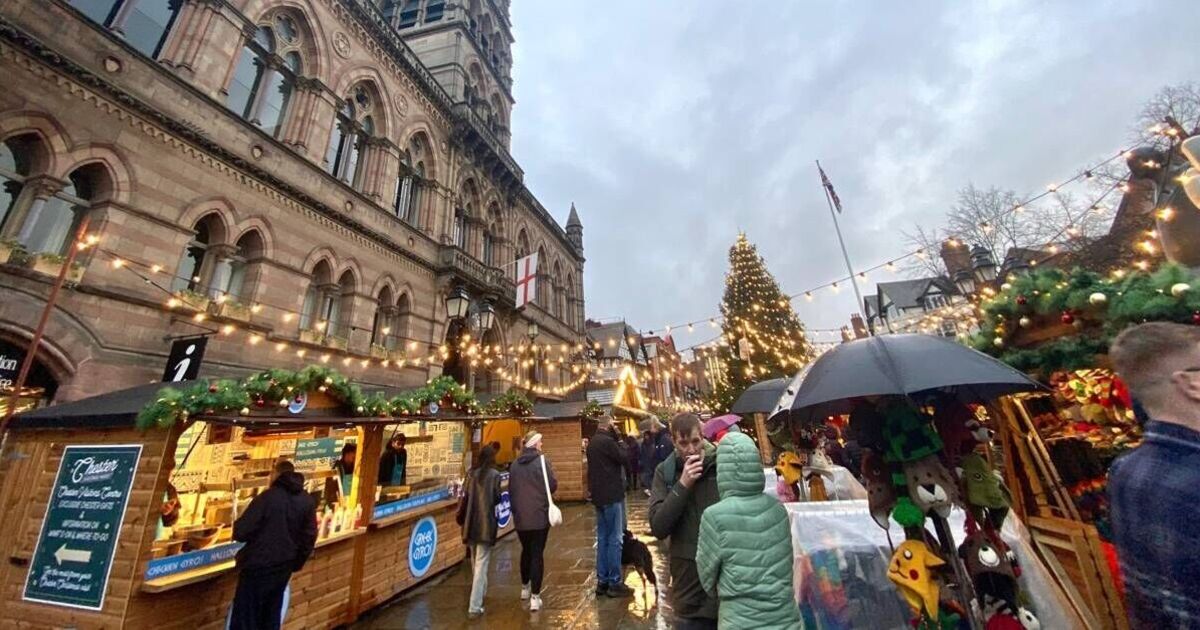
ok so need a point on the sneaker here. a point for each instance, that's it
(619, 590)
(524, 591)
(535, 603)
(601, 589)
(475, 613)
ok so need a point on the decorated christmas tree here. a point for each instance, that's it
(763, 337)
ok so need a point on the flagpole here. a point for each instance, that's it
(858, 306)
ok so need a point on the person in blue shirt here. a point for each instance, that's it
(1154, 490)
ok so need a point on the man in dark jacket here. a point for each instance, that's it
(279, 528)
(685, 484)
(606, 463)
(656, 447)
(530, 510)
(393, 466)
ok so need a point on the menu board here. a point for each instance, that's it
(75, 548)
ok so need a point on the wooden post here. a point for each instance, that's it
(369, 451)
(764, 443)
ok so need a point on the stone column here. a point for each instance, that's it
(41, 189)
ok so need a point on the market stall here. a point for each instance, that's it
(118, 509)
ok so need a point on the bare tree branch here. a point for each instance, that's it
(928, 241)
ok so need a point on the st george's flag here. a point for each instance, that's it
(837, 203)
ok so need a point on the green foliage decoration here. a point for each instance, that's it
(512, 403)
(1099, 307)
(591, 410)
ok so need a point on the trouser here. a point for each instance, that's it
(610, 528)
(533, 550)
(481, 556)
(258, 600)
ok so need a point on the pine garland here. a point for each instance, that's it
(278, 388)
(1097, 308)
(591, 410)
(512, 403)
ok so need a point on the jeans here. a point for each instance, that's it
(258, 600)
(481, 556)
(533, 548)
(610, 528)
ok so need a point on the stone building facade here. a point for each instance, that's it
(303, 180)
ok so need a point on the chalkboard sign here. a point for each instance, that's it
(75, 548)
(315, 450)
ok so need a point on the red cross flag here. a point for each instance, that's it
(527, 279)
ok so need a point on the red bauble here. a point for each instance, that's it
(1022, 300)
(1068, 318)
(212, 389)
(1196, 318)
(258, 402)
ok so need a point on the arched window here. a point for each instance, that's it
(382, 326)
(352, 128)
(459, 229)
(402, 328)
(572, 306)
(14, 169)
(261, 90)
(327, 305)
(50, 225)
(489, 248)
(236, 275)
(408, 184)
(543, 282)
(557, 291)
(144, 24)
(521, 252)
(198, 263)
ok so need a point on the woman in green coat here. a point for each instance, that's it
(744, 554)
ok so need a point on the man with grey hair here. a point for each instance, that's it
(606, 467)
(1154, 490)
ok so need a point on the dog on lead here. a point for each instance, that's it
(636, 554)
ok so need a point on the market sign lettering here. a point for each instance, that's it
(422, 546)
(162, 567)
(78, 539)
(411, 503)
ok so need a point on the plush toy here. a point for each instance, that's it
(790, 467)
(989, 565)
(818, 471)
(959, 429)
(881, 493)
(988, 498)
(911, 570)
(930, 485)
(909, 434)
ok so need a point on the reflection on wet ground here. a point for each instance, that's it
(568, 599)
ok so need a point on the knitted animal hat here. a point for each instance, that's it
(909, 434)
(987, 496)
(912, 571)
(881, 493)
(930, 485)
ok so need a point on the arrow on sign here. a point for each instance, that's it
(72, 555)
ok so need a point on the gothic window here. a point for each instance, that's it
(434, 10)
(261, 88)
(409, 13)
(489, 248)
(408, 184)
(14, 168)
(235, 272)
(353, 127)
(381, 328)
(50, 226)
(327, 304)
(144, 24)
(196, 264)
(459, 231)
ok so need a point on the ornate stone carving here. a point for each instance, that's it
(341, 45)
(401, 106)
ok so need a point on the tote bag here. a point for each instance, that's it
(553, 514)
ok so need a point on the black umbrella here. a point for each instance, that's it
(760, 397)
(901, 365)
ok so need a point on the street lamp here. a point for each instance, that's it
(532, 332)
(487, 316)
(983, 264)
(965, 282)
(458, 302)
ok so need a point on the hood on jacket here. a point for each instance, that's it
(739, 469)
(293, 482)
(527, 455)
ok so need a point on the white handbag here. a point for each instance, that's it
(553, 513)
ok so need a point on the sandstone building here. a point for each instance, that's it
(303, 180)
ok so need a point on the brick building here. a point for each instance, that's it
(305, 180)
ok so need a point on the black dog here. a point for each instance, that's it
(635, 552)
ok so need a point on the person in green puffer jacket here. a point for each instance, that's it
(744, 555)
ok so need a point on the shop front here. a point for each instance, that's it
(112, 525)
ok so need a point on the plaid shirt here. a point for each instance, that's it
(1155, 498)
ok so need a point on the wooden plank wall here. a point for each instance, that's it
(562, 442)
(27, 473)
(385, 557)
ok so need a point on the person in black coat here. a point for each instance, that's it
(607, 462)
(393, 466)
(477, 516)
(279, 528)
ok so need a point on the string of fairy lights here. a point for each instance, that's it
(478, 354)
(891, 264)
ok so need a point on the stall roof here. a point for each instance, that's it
(556, 410)
(114, 409)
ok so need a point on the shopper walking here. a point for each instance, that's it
(606, 463)
(656, 448)
(744, 553)
(685, 485)
(279, 529)
(1154, 489)
(531, 513)
(477, 516)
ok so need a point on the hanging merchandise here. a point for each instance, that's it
(913, 570)
(988, 498)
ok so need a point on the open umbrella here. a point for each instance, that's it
(900, 365)
(760, 397)
(715, 425)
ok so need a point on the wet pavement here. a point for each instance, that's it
(568, 599)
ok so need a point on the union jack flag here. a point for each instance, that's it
(837, 203)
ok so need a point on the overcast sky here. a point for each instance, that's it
(672, 124)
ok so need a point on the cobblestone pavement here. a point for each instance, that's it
(568, 599)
